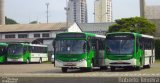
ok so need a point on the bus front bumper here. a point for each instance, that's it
(78, 64)
(14, 60)
(121, 63)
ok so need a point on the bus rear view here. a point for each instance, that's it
(128, 50)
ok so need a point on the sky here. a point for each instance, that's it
(25, 11)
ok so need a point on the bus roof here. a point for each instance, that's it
(142, 35)
(147, 36)
(85, 33)
(32, 44)
(3, 44)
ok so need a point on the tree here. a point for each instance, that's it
(133, 24)
(33, 22)
(10, 21)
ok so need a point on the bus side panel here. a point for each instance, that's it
(147, 58)
(44, 56)
(35, 57)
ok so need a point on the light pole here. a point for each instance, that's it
(47, 4)
(142, 8)
(67, 9)
(2, 16)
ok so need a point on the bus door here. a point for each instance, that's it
(99, 53)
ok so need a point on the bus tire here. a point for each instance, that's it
(40, 60)
(103, 68)
(82, 69)
(138, 68)
(149, 65)
(64, 69)
(113, 68)
(89, 69)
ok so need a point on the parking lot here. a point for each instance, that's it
(48, 70)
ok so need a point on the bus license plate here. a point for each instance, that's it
(70, 64)
(14, 59)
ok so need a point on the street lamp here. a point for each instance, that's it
(47, 4)
(67, 9)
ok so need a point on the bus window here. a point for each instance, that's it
(88, 46)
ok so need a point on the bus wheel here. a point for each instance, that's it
(149, 65)
(113, 68)
(138, 67)
(64, 69)
(89, 69)
(40, 60)
(103, 68)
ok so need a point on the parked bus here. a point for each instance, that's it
(79, 50)
(21, 52)
(125, 49)
(3, 52)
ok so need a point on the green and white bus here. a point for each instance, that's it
(3, 52)
(79, 50)
(126, 49)
(21, 52)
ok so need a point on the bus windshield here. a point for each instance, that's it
(2, 50)
(15, 49)
(120, 46)
(70, 46)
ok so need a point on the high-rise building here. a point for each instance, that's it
(149, 12)
(152, 12)
(2, 16)
(77, 11)
(103, 10)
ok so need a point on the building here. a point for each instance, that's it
(29, 33)
(76, 11)
(152, 12)
(103, 11)
(2, 16)
(96, 28)
(46, 30)
(149, 12)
